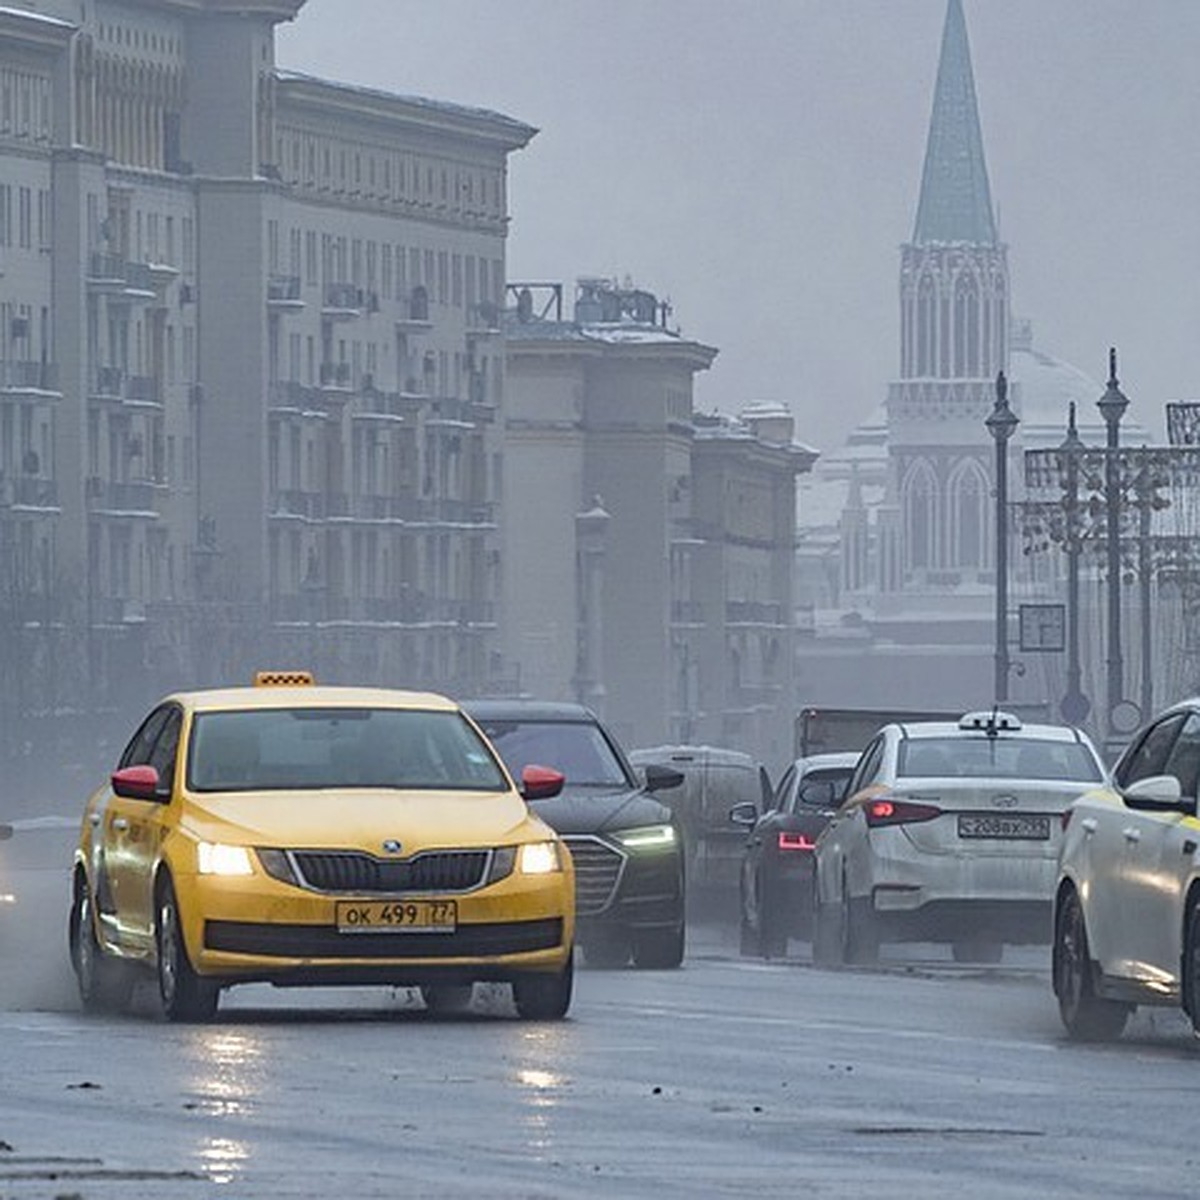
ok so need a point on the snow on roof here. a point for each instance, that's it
(28, 15)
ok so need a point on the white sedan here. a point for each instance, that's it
(950, 833)
(1127, 903)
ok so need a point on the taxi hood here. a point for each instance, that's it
(357, 818)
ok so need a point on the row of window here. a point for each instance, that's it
(26, 217)
(25, 104)
(330, 164)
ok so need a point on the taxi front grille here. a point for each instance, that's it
(352, 872)
(598, 868)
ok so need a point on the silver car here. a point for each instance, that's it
(950, 833)
(1127, 904)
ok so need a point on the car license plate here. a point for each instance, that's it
(381, 916)
(1010, 826)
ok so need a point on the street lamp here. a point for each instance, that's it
(1001, 424)
(1112, 406)
(1075, 705)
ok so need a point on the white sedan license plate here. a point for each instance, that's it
(386, 916)
(1004, 826)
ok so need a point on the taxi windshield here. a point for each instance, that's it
(311, 748)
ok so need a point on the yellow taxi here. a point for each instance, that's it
(302, 835)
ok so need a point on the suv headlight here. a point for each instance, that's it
(647, 837)
(215, 859)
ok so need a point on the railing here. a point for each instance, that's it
(335, 374)
(29, 373)
(110, 381)
(344, 295)
(30, 492)
(687, 612)
(752, 612)
(283, 289)
(106, 266)
(293, 502)
(143, 388)
(129, 496)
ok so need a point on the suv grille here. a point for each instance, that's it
(598, 868)
(433, 871)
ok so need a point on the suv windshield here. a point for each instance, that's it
(299, 748)
(576, 748)
(997, 758)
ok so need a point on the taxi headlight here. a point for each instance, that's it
(215, 859)
(647, 837)
(539, 858)
(503, 858)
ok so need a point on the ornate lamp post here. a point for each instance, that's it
(1001, 424)
(1112, 406)
(1075, 705)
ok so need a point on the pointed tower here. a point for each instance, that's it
(954, 323)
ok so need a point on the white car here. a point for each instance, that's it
(1127, 904)
(950, 833)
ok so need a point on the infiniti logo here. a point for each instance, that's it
(391, 846)
(1007, 800)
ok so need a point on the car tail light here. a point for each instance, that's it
(898, 812)
(796, 841)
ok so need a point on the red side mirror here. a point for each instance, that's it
(540, 783)
(136, 783)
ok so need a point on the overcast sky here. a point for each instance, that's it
(757, 162)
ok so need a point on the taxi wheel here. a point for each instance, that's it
(544, 997)
(185, 996)
(447, 997)
(659, 949)
(104, 984)
(1087, 1017)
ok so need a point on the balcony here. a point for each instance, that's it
(29, 492)
(687, 612)
(290, 396)
(335, 376)
(751, 612)
(414, 310)
(142, 391)
(29, 378)
(296, 504)
(283, 293)
(342, 301)
(131, 498)
(116, 276)
(109, 384)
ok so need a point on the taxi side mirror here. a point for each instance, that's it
(6, 831)
(136, 783)
(1158, 793)
(744, 814)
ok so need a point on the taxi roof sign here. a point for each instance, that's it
(284, 679)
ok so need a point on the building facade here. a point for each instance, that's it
(250, 360)
(648, 549)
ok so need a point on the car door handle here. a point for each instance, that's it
(1132, 834)
(1089, 824)
(120, 824)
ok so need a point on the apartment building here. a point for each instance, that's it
(250, 360)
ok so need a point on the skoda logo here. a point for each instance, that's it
(391, 846)
(1007, 800)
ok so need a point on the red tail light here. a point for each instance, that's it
(796, 841)
(898, 812)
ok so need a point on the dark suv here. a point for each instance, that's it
(628, 851)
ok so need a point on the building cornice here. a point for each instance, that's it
(414, 113)
(35, 31)
(271, 10)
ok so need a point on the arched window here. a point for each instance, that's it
(926, 324)
(966, 327)
(919, 502)
(967, 505)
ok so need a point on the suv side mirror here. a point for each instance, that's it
(541, 783)
(662, 779)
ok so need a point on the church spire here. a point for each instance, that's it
(955, 204)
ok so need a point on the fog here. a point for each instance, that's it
(760, 163)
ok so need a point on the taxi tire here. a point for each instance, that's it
(659, 949)
(545, 996)
(184, 995)
(446, 998)
(861, 932)
(1086, 1016)
(105, 985)
(1191, 967)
